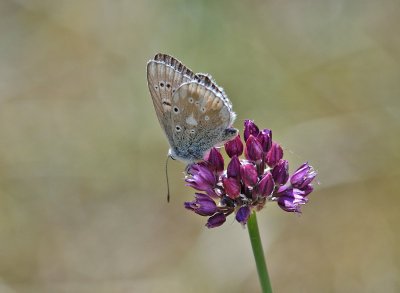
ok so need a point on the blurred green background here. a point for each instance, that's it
(82, 186)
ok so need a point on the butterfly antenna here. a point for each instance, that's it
(166, 174)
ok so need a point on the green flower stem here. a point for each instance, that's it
(256, 244)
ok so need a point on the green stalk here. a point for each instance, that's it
(256, 244)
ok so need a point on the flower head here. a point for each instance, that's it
(247, 184)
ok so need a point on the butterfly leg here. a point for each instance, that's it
(187, 169)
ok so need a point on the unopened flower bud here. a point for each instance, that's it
(253, 151)
(233, 169)
(274, 155)
(265, 138)
(266, 185)
(234, 147)
(250, 129)
(216, 220)
(216, 161)
(232, 187)
(243, 215)
(280, 173)
(249, 174)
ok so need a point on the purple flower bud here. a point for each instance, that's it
(307, 189)
(232, 187)
(234, 147)
(287, 204)
(203, 205)
(212, 193)
(195, 169)
(202, 178)
(250, 129)
(266, 185)
(265, 137)
(249, 174)
(216, 220)
(233, 170)
(291, 199)
(253, 151)
(243, 215)
(274, 155)
(216, 160)
(297, 195)
(281, 190)
(302, 176)
(280, 173)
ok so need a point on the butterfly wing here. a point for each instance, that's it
(209, 82)
(194, 112)
(201, 119)
(164, 76)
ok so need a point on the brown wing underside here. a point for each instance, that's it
(191, 102)
(199, 120)
(164, 76)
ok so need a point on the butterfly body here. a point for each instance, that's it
(194, 113)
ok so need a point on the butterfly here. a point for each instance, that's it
(194, 112)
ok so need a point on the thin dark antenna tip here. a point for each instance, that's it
(166, 175)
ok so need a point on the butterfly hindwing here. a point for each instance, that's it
(201, 120)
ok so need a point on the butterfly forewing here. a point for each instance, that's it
(164, 75)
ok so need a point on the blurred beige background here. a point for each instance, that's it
(82, 186)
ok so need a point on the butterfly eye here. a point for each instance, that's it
(203, 109)
(176, 109)
(192, 131)
(191, 100)
(168, 85)
(162, 84)
(156, 87)
(178, 128)
(173, 90)
(206, 118)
